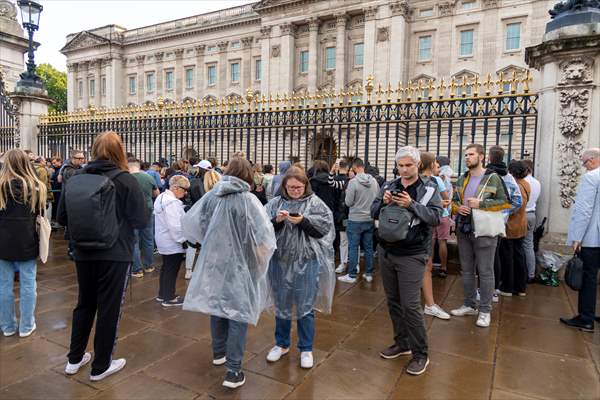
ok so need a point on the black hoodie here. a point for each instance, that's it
(320, 185)
(131, 211)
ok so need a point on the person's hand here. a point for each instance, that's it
(282, 216)
(576, 246)
(403, 199)
(464, 210)
(446, 203)
(295, 220)
(387, 197)
(473, 202)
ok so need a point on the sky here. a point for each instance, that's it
(62, 17)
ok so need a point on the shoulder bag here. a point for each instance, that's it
(487, 223)
(44, 230)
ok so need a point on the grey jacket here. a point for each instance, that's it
(585, 218)
(360, 194)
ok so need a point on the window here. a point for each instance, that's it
(330, 58)
(513, 36)
(428, 12)
(189, 78)
(80, 88)
(257, 69)
(468, 5)
(132, 85)
(304, 61)
(169, 80)
(103, 86)
(358, 54)
(150, 83)
(235, 72)
(425, 48)
(212, 75)
(92, 88)
(235, 45)
(466, 43)
(211, 49)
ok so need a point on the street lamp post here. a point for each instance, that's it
(30, 16)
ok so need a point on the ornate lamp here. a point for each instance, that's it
(30, 16)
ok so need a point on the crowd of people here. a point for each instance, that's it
(253, 239)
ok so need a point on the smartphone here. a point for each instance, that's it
(294, 215)
(395, 193)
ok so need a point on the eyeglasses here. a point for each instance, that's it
(584, 162)
(180, 188)
(79, 158)
(295, 187)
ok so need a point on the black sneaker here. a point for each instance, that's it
(576, 322)
(234, 379)
(394, 351)
(176, 302)
(442, 273)
(417, 365)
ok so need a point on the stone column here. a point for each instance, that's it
(85, 99)
(265, 57)
(140, 78)
(179, 74)
(369, 42)
(32, 103)
(568, 122)
(200, 72)
(246, 64)
(115, 90)
(340, 51)
(222, 69)
(313, 54)
(286, 63)
(398, 42)
(71, 86)
(158, 60)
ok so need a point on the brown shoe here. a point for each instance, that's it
(416, 366)
(394, 351)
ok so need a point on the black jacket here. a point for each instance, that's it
(18, 236)
(320, 186)
(131, 211)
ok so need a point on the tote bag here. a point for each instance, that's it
(44, 230)
(487, 223)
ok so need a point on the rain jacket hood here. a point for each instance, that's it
(230, 184)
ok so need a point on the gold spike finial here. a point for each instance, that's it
(369, 87)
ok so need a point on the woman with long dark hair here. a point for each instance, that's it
(103, 266)
(22, 198)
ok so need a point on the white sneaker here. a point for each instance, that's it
(72, 369)
(306, 359)
(346, 279)
(29, 332)
(115, 366)
(219, 361)
(276, 352)
(483, 320)
(504, 294)
(436, 311)
(463, 310)
(495, 298)
(8, 333)
(188, 274)
(340, 268)
(368, 278)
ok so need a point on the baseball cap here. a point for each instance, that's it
(204, 164)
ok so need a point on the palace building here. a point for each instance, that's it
(301, 46)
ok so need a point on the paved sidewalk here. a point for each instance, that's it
(525, 354)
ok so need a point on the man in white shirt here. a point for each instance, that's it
(531, 220)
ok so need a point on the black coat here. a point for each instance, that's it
(321, 187)
(18, 236)
(131, 211)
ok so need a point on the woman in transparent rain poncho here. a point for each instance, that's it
(302, 269)
(229, 282)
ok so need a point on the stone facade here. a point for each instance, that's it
(273, 47)
(12, 45)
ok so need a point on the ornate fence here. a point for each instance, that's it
(9, 120)
(370, 123)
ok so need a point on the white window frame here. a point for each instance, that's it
(426, 13)
(103, 86)
(132, 78)
(91, 87)
(209, 68)
(150, 82)
(257, 69)
(362, 54)
(80, 88)
(468, 4)
(231, 72)
(171, 87)
(507, 38)
(303, 67)
(328, 59)
(189, 83)
(420, 49)
(460, 44)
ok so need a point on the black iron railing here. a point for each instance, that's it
(9, 120)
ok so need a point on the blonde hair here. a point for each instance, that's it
(210, 179)
(179, 181)
(17, 167)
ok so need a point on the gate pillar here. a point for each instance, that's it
(569, 108)
(31, 105)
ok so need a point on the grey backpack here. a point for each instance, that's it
(394, 223)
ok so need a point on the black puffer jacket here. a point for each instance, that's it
(18, 236)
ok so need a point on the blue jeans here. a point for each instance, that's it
(306, 332)
(360, 232)
(27, 296)
(228, 339)
(144, 239)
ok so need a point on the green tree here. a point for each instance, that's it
(55, 83)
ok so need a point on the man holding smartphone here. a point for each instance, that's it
(402, 262)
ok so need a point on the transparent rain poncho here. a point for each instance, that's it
(238, 240)
(302, 273)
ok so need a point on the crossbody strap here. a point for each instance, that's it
(480, 196)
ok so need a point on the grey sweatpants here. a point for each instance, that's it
(477, 258)
(528, 245)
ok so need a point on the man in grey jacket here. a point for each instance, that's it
(360, 194)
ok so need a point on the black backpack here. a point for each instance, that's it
(90, 201)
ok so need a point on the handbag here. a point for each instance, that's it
(574, 272)
(44, 230)
(487, 223)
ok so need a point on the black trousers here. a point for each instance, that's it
(514, 266)
(586, 304)
(168, 275)
(402, 278)
(101, 292)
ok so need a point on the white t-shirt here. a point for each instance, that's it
(535, 192)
